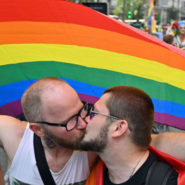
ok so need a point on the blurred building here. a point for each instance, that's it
(166, 10)
(170, 10)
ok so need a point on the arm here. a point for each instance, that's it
(171, 143)
(11, 131)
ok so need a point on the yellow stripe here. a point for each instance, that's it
(90, 57)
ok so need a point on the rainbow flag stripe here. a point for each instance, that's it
(151, 17)
(92, 52)
(150, 12)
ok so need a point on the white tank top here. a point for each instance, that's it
(23, 169)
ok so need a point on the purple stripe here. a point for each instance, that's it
(14, 109)
(88, 98)
(170, 120)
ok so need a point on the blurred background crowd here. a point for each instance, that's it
(173, 33)
(164, 19)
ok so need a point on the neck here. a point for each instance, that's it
(56, 156)
(122, 167)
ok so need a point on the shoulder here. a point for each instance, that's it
(172, 180)
(11, 132)
(161, 172)
(158, 34)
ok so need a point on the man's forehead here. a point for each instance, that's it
(61, 98)
(60, 90)
(61, 110)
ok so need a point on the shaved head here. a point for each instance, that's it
(39, 98)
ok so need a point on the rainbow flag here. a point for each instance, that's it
(151, 17)
(92, 52)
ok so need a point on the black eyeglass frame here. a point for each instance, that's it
(86, 105)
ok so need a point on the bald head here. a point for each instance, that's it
(45, 97)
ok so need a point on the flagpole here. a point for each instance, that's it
(151, 17)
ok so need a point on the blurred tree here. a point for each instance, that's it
(134, 6)
(157, 18)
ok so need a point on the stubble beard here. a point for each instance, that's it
(97, 144)
(53, 141)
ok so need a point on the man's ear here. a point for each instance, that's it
(37, 129)
(119, 128)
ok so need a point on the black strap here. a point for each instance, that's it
(42, 164)
(158, 173)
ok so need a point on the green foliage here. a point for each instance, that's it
(157, 18)
(124, 7)
(118, 10)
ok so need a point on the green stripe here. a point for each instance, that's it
(98, 77)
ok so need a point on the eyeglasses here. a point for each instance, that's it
(72, 122)
(92, 113)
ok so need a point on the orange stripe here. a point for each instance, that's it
(71, 34)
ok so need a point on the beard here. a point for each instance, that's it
(97, 144)
(53, 141)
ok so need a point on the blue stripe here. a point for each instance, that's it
(150, 20)
(14, 91)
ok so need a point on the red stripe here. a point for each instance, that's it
(64, 11)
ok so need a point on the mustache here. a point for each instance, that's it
(52, 141)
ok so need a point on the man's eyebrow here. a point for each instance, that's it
(72, 116)
(69, 118)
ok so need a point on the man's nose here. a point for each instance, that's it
(87, 118)
(81, 123)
